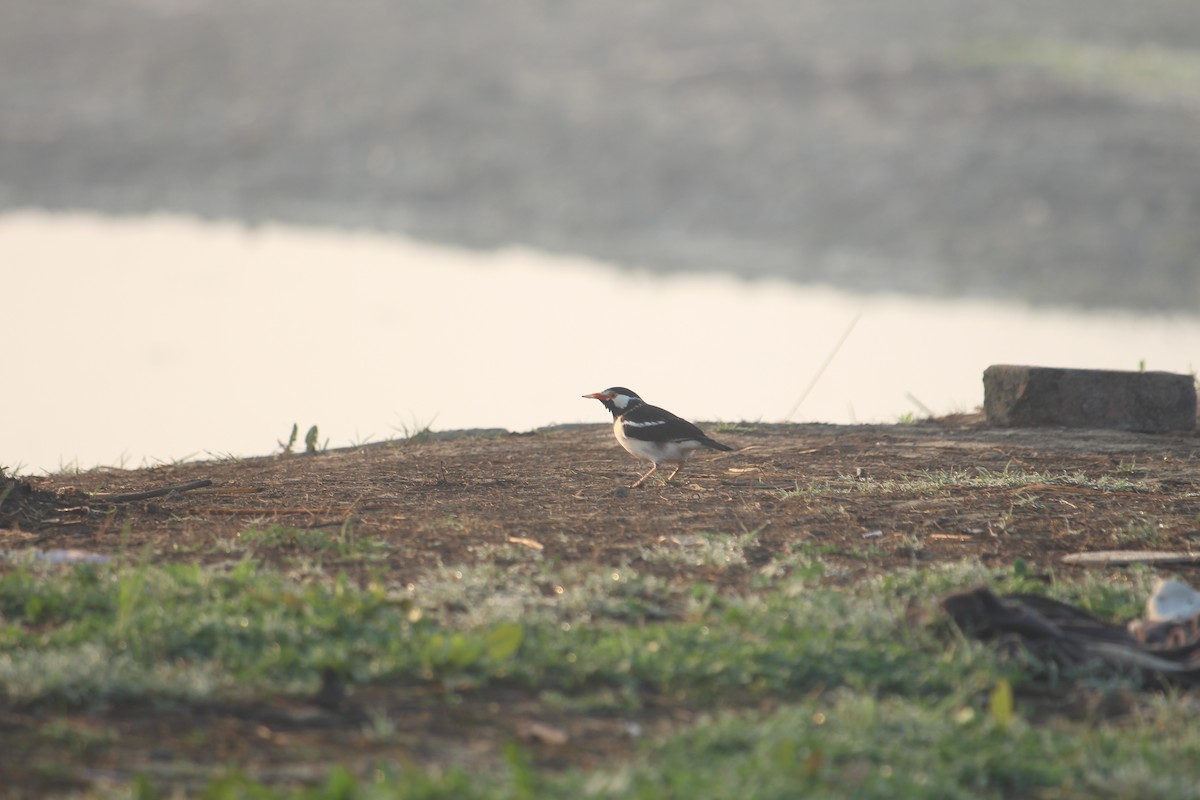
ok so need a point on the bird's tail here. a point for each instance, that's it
(714, 444)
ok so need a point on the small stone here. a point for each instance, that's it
(1150, 402)
(1172, 600)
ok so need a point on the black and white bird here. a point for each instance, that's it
(652, 433)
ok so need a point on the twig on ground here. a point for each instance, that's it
(127, 498)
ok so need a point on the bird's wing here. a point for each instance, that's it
(654, 424)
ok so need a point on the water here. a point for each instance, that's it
(138, 341)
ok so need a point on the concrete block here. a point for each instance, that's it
(1017, 396)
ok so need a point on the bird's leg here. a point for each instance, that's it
(642, 479)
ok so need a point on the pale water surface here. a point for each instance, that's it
(146, 340)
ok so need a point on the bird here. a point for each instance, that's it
(652, 433)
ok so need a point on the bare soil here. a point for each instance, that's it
(860, 494)
(565, 490)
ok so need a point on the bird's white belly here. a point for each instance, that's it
(658, 452)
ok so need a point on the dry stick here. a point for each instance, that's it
(126, 498)
(824, 366)
(913, 399)
(267, 511)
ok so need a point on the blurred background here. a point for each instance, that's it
(218, 218)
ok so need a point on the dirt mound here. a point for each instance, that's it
(870, 497)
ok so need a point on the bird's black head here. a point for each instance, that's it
(618, 399)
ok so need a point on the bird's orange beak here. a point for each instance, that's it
(599, 396)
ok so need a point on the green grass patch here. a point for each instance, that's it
(867, 700)
(340, 541)
(934, 483)
(91, 634)
(701, 549)
(734, 427)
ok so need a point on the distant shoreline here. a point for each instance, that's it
(1042, 154)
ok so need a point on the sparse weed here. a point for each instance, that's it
(936, 482)
(416, 432)
(309, 541)
(68, 468)
(1140, 532)
(701, 549)
(278, 536)
(361, 441)
(288, 447)
(312, 443)
(735, 427)
(151, 461)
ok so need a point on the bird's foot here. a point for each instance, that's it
(642, 479)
